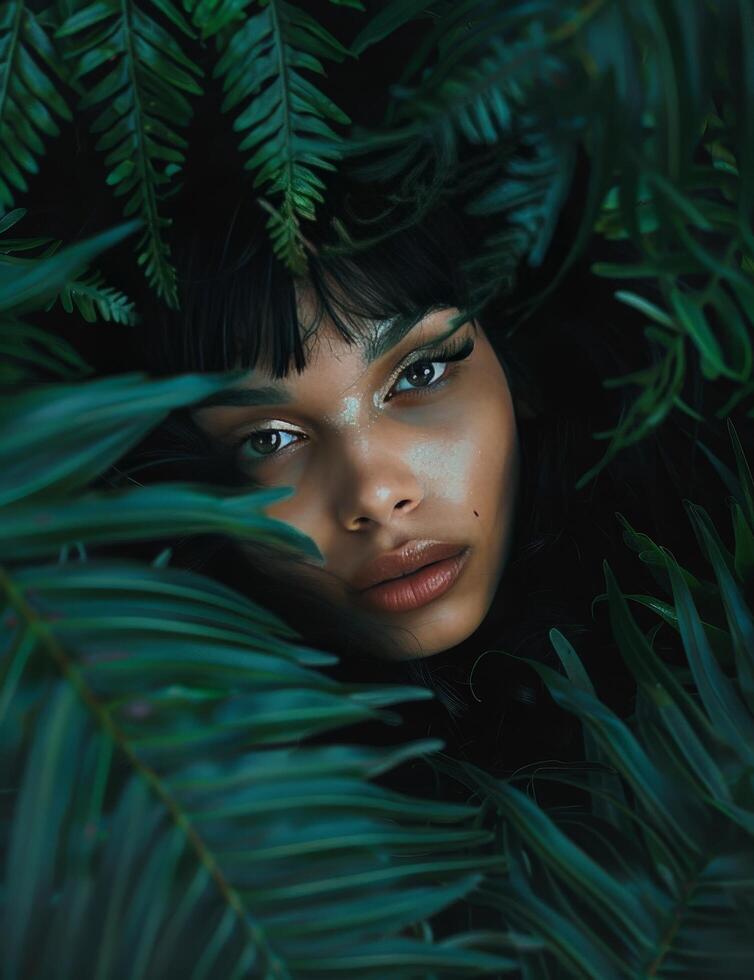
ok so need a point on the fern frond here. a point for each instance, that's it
(91, 297)
(28, 352)
(482, 93)
(89, 293)
(30, 74)
(27, 284)
(142, 74)
(667, 870)
(285, 117)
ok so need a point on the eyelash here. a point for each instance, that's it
(457, 351)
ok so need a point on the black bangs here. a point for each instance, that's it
(241, 307)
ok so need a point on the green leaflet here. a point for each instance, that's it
(47, 452)
(141, 109)
(93, 298)
(24, 282)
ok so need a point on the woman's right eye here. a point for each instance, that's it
(264, 443)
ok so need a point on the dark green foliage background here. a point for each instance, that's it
(162, 812)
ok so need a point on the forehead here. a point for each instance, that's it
(373, 336)
(369, 339)
(325, 345)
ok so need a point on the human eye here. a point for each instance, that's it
(264, 443)
(428, 381)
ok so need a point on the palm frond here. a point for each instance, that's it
(30, 81)
(385, 22)
(92, 297)
(667, 887)
(141, 76)
(285, 120)
(26, 352)
(27, 284)
(89, 294)
(221, 809)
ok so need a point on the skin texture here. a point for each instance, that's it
(378, 457)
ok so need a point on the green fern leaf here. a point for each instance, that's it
(92, 297)
(89, 293)
(676, 899)
(26, 351)
(141, 76)
(285, 119)
(29, 98)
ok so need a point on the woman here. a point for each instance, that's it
(422, 444)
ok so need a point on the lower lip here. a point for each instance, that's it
(416, 590)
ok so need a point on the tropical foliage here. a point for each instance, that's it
(163, 814)
(658, 879)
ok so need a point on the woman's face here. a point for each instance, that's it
(390, 449)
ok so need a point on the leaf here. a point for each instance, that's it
(386, 22)
(92, 297)
(593, 883)
(143, 513)
(24, 283)
(26, 352)
(692, 319)
(31, 75)
(720, 700)
(685, 723)
(37, 829)
(286, 119)
(746, 481)
(58, 438)
(655, 789)
(738, 616)
(199, 843)
(141, 110)
(601, 782)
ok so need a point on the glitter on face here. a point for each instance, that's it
(349, 414)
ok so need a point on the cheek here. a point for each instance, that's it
(299, 510)
(474, 460)
(448, 467)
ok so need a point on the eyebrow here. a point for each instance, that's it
(384, 338)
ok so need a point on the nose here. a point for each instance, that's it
(376, 487)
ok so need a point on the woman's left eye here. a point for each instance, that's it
(422, 374)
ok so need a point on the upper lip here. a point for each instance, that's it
(404, 560)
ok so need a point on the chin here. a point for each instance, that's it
(434, 637)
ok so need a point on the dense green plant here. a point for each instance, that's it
(658, 879)
(162, 813)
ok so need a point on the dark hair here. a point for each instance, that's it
(238, 306)
(238, 302)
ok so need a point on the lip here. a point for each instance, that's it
(410, 556)
(417, 574)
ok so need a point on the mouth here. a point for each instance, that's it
(417, 588)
